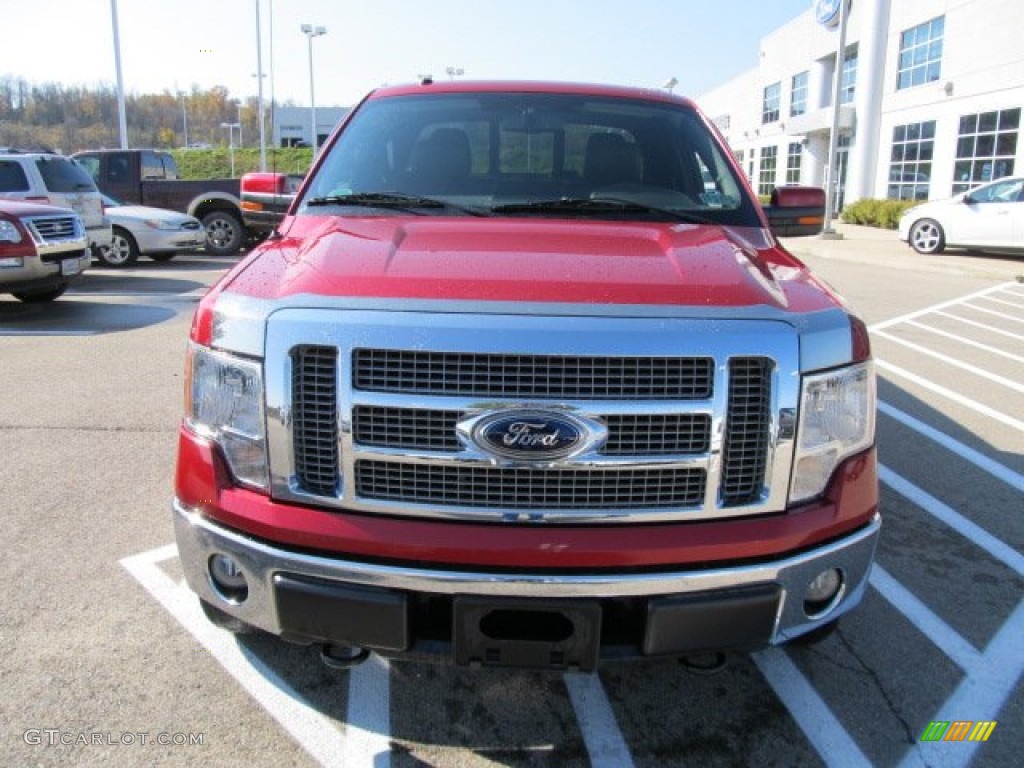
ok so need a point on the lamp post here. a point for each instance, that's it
(184, 120)
(231, 142)
(259, 92)
(310, 32)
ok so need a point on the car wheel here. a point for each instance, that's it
(926, 236)
(38, 297)
(224, 233)
(122, 251)
(162, 256)
(225, 620)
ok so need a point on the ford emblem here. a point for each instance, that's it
(533, 436)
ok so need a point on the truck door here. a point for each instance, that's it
(116, 178)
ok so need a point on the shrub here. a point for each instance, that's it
(876, 213)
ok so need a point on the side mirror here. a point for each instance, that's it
(796, 211)
(967, 199)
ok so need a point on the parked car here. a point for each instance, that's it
(42, 249)
(44, 177)
(989, 217)
(154, 232)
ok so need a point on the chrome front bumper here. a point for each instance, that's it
(267, 567)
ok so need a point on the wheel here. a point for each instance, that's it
(38, 297)
(926, 236)
(123, 251)
(162, 256)
(224, 233)
(219, 618)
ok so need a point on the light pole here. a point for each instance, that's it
(259, 97)
(184, 120)
(231, 142)
(122, 121)
(310, 32)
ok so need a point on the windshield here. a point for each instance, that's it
(529, 154)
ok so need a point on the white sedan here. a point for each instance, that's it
(989, 217)
(158, 233)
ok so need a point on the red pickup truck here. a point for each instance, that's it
(524, 378)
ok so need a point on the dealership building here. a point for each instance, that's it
(930, 99)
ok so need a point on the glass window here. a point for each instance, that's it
(62, 175)
(848, 82)
(986, 148)
(766, 172)
(152, 168)
(793, 158)
(770, 104)
(920, 59)
(798, 95)
(1000, 192)
(12, 177)
(910, 166)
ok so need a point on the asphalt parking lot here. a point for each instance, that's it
(109, 661)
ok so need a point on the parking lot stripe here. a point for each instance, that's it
(1004, 302)
(982, 326)
(832, 742)
(601, 734)
(981, 695)
(942, 636)
(969, 342)
(996, 547)
(1000, 315)
(316, 733)
(973, 369)
(936, 307)
(974, 405)
(978, 459)
(368, 723)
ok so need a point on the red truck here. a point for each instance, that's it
(524, 378)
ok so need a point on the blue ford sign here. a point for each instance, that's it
(827, 12)
(532, 436)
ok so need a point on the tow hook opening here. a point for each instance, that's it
(338, 656)
(705, 663)
(542, 626)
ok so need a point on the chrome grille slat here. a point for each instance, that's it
(315, 418)
(748, 422)
(533, 376)
(53, 229)
(518, 488)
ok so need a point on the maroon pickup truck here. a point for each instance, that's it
(150, 177)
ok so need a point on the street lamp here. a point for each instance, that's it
(231, 142)
(310, 32)
(184, 119)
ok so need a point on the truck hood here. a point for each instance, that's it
(525, 260)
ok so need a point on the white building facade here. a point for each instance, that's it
(930, 97)
(293, 125)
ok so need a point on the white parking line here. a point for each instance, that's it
(314, 732)
(956, 363)
(969, 342)
(1001, 315)
(1005, 303)
(832, 742)
(368, 722)
(982, 326)
(967, 402)
(601, 735)
(978, 459)
(936, 307)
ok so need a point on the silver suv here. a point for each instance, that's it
(40, 177)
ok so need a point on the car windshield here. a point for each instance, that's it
(529, 154)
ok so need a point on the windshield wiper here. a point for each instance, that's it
(599, 205)
(396, 200)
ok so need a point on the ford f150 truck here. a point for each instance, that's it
(150, 177)
(524, 378)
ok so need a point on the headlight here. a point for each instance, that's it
(8, 232)
(162, 224)
(837, 420)
(224, 397)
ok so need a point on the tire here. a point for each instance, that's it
(122, 252)
(162, 256)
(927, 237)
(226, 621)
(224, 233)
(39, 297)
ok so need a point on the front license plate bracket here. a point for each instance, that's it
(535, 634)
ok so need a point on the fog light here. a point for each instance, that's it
(228, 579)
(823, 593)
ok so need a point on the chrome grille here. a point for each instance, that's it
(53, 229)
(533, 376)
(529, 488)
(748, 422)
(315, 418)
(628, 435)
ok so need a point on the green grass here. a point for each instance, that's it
(216, 163)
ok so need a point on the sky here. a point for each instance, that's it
(174, 45)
